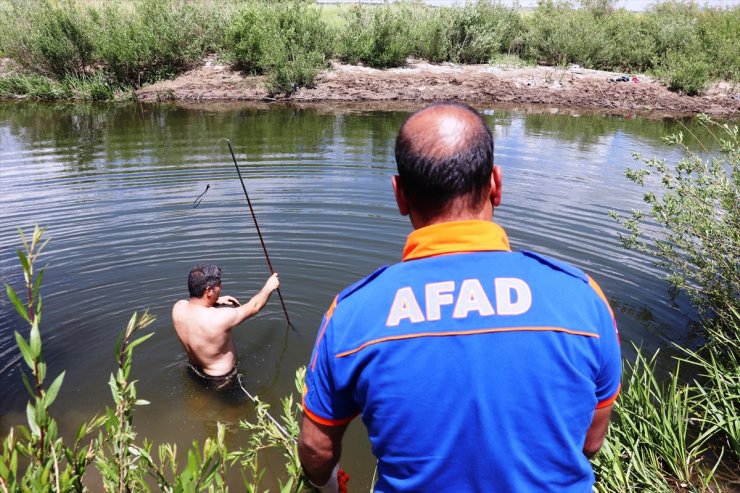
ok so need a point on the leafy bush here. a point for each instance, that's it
(682, 433)
(718, 33)
(48, 38)
(376, 36)
(684, 72)
(288, 41)
(478, 31)
(557, 34)
(672, 25)
(428, 32)
(698, 211)
(629, 44)
(156, 40)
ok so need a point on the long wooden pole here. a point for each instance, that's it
(259, 233)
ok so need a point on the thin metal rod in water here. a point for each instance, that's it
(257, 402)
(259, 233)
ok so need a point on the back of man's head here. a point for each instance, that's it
(444, 153)
(201, 277)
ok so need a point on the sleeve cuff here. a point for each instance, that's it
(608, 402)
(324, 421)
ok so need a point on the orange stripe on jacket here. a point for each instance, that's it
(465, 333)
(601, 294)
(329, 313)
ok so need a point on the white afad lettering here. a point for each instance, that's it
(472, 298)
(404, 306)
(513, 296)
(438, 294)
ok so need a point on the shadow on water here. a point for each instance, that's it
(114, 185)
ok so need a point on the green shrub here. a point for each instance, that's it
(672, 25)
(557, 34)
(49, 38)
(662, 435)
(719, 32)
(629, 44)
(428, 32)
(88, 88)
(376, 36)
(697, 210)
(155, 40)
(684, 72)
(288, 41)
(478, 31)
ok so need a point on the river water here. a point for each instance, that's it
(114, 186)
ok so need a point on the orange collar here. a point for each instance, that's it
(455, 237)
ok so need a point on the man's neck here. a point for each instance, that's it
(204, 301)
(451, 214)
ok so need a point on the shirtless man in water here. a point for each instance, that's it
(205, 330)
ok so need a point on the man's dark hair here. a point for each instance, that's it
(432, 176)
(201, 277)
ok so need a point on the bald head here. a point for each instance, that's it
(444, 154)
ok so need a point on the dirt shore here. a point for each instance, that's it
(573, 88)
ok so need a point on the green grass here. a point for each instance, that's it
(38, 87)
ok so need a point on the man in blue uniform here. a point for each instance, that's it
(474, 368)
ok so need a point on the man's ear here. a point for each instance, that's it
(496, 186)
(403, 205)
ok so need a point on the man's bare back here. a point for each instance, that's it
(204, 323)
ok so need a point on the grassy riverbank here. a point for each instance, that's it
(80, 49)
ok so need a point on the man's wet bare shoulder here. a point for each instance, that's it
(187, 315)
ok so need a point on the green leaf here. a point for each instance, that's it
(28, 385)
(23, 258)
(34, 340)
(37, 284)
(31, 416)
(142, 402)
(17, 303)
(138, 341)
(53, 391)
(41, 370)
(25, 350)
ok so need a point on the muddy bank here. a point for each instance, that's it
(573, 89)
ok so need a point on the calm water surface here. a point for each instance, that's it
(114, 186)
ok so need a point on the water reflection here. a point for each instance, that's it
(114, 184)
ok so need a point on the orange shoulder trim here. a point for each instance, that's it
(601, 294)
(329, 313)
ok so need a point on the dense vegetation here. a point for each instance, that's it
(89, 50)
(683, 434)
